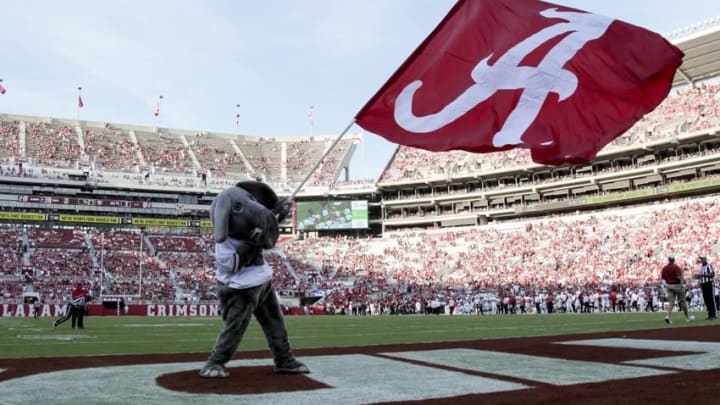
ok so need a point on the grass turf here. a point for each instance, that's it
(28, 337)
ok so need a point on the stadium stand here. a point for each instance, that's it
(109, 150)
(125, 208)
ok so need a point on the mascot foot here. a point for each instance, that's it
(212, 370)
(292, 367)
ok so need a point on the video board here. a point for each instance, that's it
(331, 214)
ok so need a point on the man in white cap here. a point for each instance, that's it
(706, 277)
(672, 276)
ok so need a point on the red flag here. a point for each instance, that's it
(501, 74)
(2, 89)
(80, 102)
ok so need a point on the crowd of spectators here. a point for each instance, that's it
(110, 149)
(217, 157)
(116, 154)
(9, 138)
(591, 255)
(165, 152)
(176, 159)
(301, 156)
(52, 146)
(616, 251)
(264, 156)
(65, 238)
(11, 250)
(585, 252)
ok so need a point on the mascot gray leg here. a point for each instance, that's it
(270, 317)
(237, 307)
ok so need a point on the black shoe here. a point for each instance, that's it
(292, 367)
(711, 318)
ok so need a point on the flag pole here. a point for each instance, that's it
(157, 112)
(310, 119)
(79, 104)
(237, 119)
(322, 158)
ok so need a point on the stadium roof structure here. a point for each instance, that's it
(701, 44)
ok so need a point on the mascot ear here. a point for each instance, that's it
(282, 208)
(261, 191)
(220, 212)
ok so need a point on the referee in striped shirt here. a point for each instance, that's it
(706, 277)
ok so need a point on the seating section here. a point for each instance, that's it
(11, 251)
(329, 169)
(110, 149)
(56, 238)
(620, 249)
(216, 153)
(264, 156)
(9, 140)
(165, 152)
(176, 243)
(58, 259)
(115, 239)
(178, 158)
(52, 145)
(170, 158)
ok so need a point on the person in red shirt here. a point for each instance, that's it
(78, 313)
(672, 276)
(75, 308)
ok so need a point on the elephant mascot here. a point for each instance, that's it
(245, 218)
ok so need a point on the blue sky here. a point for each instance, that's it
(274, 58)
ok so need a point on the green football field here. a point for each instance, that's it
(27, 337)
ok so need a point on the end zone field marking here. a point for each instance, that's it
(708, 356)
(533, 368)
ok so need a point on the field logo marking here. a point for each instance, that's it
(533, 368)
(356, 379)
(362, 379)
(707, 358)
